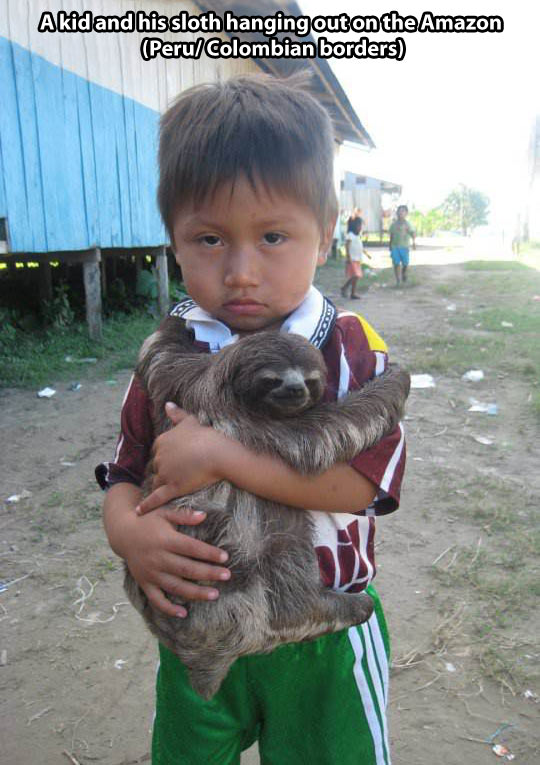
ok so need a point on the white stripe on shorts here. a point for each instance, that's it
(376, 678)
(367, 699)
(380, 653)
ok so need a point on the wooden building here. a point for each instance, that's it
(78, 134)
(376, 199)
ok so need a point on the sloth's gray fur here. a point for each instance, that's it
(253, 392)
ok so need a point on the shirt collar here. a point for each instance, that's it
(314, 319)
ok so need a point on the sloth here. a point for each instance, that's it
(265, 391)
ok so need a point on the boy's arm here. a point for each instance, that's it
(158, 555)
(207, 456)
(160, 558)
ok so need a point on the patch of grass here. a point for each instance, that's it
(446, 290)
(494, 265)
(454, 353)
(498, 578)
(492, 319)
(37, 358)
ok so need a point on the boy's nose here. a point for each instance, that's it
(241, 268)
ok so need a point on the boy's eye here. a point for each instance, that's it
(272, 237)
(211, 240)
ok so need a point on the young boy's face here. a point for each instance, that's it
(248, 258)
(402, 214)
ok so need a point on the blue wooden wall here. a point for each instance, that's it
(78, 164)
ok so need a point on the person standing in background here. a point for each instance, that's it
(401, 236)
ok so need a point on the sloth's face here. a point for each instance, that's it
(283, 392)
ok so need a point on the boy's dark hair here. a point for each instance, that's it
(354, 226)
(402, 207)
(270, 130)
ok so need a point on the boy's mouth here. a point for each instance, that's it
(244, 306)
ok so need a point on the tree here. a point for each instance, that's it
(465, 209)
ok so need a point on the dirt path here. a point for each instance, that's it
(77, 674)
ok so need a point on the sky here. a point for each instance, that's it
(458, 109)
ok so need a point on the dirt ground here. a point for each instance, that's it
(78, 666)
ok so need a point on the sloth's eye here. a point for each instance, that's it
(266, 384)
(313, 386)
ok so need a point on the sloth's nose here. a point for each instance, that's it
(295, 390)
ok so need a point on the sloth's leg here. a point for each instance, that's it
(332, 612)
(206, 678)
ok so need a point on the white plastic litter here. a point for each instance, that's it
(451, 307)
(484, 440)
(422, 381)
(46, 393)
(17, 497)
(119, 663)
(473, 375)
(479, 406)
(506, 324)
(449, 667)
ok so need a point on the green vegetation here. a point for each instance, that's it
(464, 209)
(37, 357)
(499, 580)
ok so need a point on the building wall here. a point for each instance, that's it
(78, 127)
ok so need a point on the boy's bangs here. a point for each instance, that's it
(258, 128)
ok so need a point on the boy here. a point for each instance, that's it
(401, 234)
(246, 192)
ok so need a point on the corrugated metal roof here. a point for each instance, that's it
(326, 86)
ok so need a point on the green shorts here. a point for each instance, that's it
(321, 702)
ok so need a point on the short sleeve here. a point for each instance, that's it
(134, 442)
(359, 353)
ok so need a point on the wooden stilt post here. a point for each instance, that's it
(92, 289)
(45, 281)
(103, 276)
(163, 280)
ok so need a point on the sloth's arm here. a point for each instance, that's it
(336, 432)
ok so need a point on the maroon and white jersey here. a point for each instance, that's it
(353, 353)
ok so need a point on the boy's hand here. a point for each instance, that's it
(185, 459)
(163, 560)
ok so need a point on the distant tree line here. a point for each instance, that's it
(463, 210)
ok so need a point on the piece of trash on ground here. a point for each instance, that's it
(65, 463)
(119, 663)
(484, 440)
(528, 694)
(473, 375)
(502, 751)
(46, 392)
(422, 381)
(451, 307)
(75, 386)
(449, 666)
(112, 382)
(85, 360)
(506, 324)
(483, 408)
(17, 497)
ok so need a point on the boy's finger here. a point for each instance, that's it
(193, 571)
(184, 516)
(189, 591)
(158, 599)
(189, 547)
(156, 499)
(175, 413)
